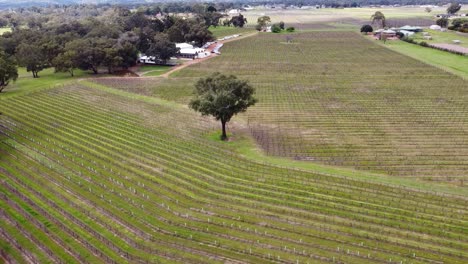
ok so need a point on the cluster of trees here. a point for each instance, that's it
(236, 21)
(459, 24)
(111, 40)
(264, 21)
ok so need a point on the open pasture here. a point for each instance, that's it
(339, 99)
(91, 176)
(329, 18)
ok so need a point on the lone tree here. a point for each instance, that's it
(8, 71)
(453, 8)
(379, 17)
(262, 22)
(222, 97)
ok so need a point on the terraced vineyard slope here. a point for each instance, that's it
(339, 99)
(91, 176)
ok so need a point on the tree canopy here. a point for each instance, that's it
(238, 21)
(262, 22)
(222, 97)
(378, 17)
(90, 39)
(31, 57)
(161, 48)
(8, 71)
(442, 22)
(366, 29)
(453, 8)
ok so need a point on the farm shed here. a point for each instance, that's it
(193, 53)
(184, 46)
(407, 33)
(410, 28)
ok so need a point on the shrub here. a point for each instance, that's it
(275, 28)
(366, 29)
(443, 22)
(424, 44)
(290, 29)
(281, 25)
(409, 40)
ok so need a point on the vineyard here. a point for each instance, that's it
(88, 175)
(337, 98)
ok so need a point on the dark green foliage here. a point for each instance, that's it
(189, 30)
(3, 22)
(162, 48)
(222, 97)
(199, 34)
(211, 9)
(262, 22)
(8, 70)
(238, 21)
(423, 44)
(90, 52)
(443, 22)
(31, 57)
(290, 29)
(275, 28)
(66, 62)
(366, 29)
(379, 17)
(459, 24)
(281, 25)
(453, 8)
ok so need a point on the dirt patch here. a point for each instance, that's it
(126, 73)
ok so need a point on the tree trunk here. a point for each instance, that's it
(71, 72)
(224, 135)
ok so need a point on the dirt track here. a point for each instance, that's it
(209, 49)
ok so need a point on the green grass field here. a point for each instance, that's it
(355, 153)
(316, 105)
(47, 79)
(328, 18)
(442, 37)
(222, 31)
(153, 70)
(136, 179)
(452, 63)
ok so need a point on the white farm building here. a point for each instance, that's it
(190, 52)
